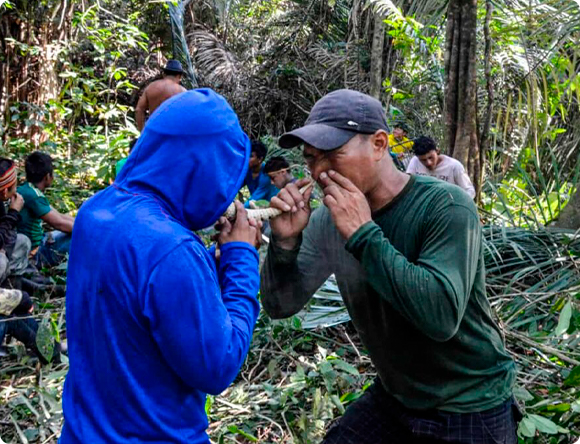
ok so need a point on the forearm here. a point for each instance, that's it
(289, 278)
(417, 292)
(65, 223)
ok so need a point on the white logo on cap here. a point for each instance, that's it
(351, 123)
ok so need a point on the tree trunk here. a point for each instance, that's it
(484, 139)
(570, 215)
(377, 56)
(461, 87)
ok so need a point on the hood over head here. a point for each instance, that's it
(192, 157)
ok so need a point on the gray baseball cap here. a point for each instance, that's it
(337, 118)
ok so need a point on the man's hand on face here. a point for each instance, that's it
(295, 209)
(243, 229)
(16, 202)
(347, 204)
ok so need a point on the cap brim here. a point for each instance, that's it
(318, 135)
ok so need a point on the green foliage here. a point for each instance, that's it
(273, 60)
(88, 125)
(293, 383)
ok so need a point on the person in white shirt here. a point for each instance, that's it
(429, 162)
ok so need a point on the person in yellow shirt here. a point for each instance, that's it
(398, 142)
(399, 145)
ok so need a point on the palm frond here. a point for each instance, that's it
(179, 42)
(217, 65)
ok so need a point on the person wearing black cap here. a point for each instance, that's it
(159, 91)
(408, 258)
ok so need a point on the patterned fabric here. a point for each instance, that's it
(9, 299)
(8, 178)
(377, 418)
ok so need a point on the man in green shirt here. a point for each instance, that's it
(52, 246)
(408, 258)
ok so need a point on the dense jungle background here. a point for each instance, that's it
(504, 72)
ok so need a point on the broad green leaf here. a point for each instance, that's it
(527, 428)
(349, 397)
(336, 401)
(31, 434)
(238, 431)
(573, 378)
(522, 394)
(561, 407)
(208, 404)
(564, 320)
(325, 368)
(44, 339)
(345, 367)
(543, 424)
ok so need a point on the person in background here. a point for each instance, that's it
(154, 321)
(15, 304)
(428, 161)
(398, 141)
(278, 170)
(14, 247)
(159, 91)
(48, 248)
(257, 180)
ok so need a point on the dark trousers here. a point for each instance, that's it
(378, 418)
(24, 330)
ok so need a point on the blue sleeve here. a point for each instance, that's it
(202, 319)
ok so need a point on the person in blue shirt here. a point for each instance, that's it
(154, 320)
(257, 180)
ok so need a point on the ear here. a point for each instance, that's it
(380, 142)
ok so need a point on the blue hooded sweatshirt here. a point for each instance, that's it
(153, 323)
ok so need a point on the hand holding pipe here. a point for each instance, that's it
(261, 213)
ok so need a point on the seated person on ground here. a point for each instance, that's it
(429, 162)
(257, 180)
(52, 246)
(16, 321)
(15, 305)
(14, 248)
(278, 170)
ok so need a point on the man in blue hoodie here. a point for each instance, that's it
(154, 322)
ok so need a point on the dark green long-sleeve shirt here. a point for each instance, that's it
(413, 281)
